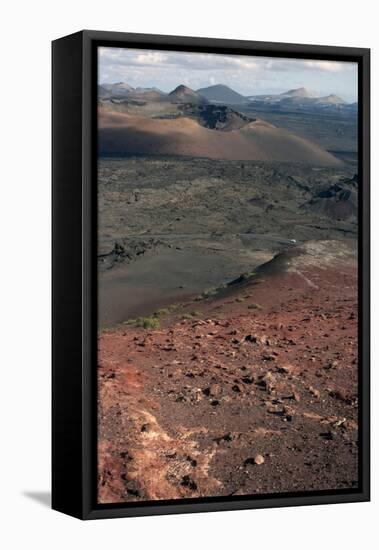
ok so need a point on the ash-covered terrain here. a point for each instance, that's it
(172, 227)
(227, 294)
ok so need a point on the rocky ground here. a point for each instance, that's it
(143, 201)
(161, 215)
(252, 390)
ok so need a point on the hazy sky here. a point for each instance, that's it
(247, 75)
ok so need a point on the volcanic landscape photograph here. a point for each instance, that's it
(227, 275)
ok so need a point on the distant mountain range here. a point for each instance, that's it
(122, 90)
(301, 99)
(298, 98)
(183, 94)
(222, 94)
(296, 92)
(119, 89)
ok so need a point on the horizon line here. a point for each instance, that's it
(312, 94)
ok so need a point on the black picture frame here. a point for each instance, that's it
(74, 272)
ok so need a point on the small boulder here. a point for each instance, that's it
(267, 381)
(295, 396)
(314, 392)
(287, 368)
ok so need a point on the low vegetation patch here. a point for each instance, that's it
(209, 292)
(254, 306)
(190, 315)
(147, 322)
(153, 321)
(161, 312)
(129, 322)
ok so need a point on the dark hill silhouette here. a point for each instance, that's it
(184, 94)
(222, 94)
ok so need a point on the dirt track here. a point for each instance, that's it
(267, 370)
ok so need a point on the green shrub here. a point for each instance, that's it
(204, 294)
(174, 307)
(161, 312)
(148, 322)
(195, 313)
(190, 314)
(254, 306)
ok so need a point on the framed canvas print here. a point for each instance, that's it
(210, 274)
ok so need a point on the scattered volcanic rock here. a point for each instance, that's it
(218, 117)
(232, 438)
(339, 200)
(258, 459)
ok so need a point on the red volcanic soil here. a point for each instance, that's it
(256, 395)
